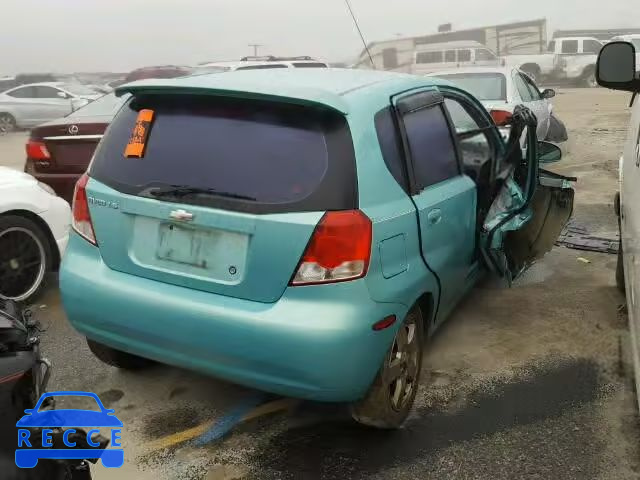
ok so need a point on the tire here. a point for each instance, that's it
(25, 259)
(7, 123)
(117, 358)
(589, 78)
(387, 402)
(620, 272)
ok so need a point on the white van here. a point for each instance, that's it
(442, 56)
(617, 69)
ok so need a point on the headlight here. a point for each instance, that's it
(47, 188)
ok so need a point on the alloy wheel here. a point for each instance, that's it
(6, 124)
(22, 263)
(401, 370)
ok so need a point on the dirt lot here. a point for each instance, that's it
(530, 382)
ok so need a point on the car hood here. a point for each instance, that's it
(69, 418)
(9, 176)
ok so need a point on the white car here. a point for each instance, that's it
(500, 89)
(617, 70)
(29, 105)
(34, 230)
(260, 63)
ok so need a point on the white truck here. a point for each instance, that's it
(568, 59)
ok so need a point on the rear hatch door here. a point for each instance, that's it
(223, 194)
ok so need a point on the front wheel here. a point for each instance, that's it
(390, 398)
(25, 258)
(117, 358)
(620, 270)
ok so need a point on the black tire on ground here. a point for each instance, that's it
(7, 123)
(378, 408)
(589, 78)
(117, 358)
(620, 271)
(34, 284)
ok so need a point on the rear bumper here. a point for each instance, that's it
(62, 183)
(315, 342)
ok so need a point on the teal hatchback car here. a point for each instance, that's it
(301, 232)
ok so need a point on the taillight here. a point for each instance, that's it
(501, 117)
(37, 150)
(339, 249)
(81, 216)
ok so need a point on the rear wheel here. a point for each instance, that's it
(390, 398)
(117, 358)
(589, 78)
(7, 123)
(25, 258)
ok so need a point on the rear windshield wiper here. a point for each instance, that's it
(184, 191)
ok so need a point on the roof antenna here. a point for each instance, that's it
(355, 21)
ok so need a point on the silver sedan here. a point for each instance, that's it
(29, 105)
(500, 89)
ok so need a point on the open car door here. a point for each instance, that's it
(531, 207)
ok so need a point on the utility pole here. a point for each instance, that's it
(255, 48)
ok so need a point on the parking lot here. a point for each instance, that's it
(528, 382)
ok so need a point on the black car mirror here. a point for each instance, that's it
(548, 152)
(616, 68)
(548, 93)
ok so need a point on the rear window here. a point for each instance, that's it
(106, 105)
(483, 86)
(254, 156)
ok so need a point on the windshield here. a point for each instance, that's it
(78, 89)
(484, 86)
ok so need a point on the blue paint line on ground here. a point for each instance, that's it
(231, 419)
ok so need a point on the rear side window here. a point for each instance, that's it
(390, 146)
(429, 57)
(24, 92)
(464, 55)
(570, 46)
(552, 47)
(431, 146)
(253, 156)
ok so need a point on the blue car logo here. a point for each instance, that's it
(27, 455)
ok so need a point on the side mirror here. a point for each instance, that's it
(62, 95)
(548, 93)
(549, 153)
(616, 68)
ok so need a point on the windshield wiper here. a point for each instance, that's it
(183, 191)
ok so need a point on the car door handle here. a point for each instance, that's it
(434, 216)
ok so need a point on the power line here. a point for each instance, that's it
(364, 42)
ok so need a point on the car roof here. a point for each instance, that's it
(329, 87)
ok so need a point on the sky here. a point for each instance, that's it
(120, 35)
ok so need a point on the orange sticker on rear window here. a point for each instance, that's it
(139, 135)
